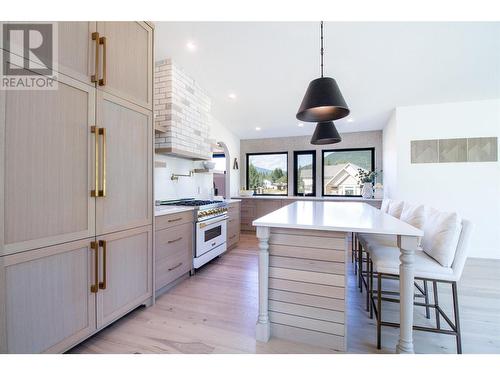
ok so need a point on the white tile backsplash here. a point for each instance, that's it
(198, 186)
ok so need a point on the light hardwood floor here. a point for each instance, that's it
(215, 312)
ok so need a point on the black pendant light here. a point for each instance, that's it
(323, 100)
(325, 133)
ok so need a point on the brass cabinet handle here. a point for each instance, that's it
(172, 220)
(93, 77)
(102, 285)
(231, 237)
(95, 192)
(94, 288)
(177, 239)
(102, 192)
(177, 266)
(102, 81)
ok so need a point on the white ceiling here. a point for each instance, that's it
(378, 67)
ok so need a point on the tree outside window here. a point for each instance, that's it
(267, 173)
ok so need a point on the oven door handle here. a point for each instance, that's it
(203, 224)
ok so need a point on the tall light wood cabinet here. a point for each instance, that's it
(127, 202)
(127, 278)
(76, 49)
(48, 303)
(76, 193)
(47, 168)
(129, 51)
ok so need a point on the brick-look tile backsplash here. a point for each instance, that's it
(182, 111)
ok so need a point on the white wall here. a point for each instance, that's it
(200, 185)
(390, 151)
(471, 189)
(197, 186)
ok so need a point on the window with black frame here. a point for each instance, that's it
(267, 173)
(304, 166)
(341, 167)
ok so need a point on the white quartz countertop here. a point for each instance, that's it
(167, 210)
(356, 217)
(232, 200)
(300, 198)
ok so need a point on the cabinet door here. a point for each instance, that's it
(129, 61)
(48, 303)
(128, 165)
(126, 274)
(75, 50)
(48, 168)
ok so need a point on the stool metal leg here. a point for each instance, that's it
(352, 247)
(436, 304)
(457, 319)
(426, 299)
(360, 267)
(379, 311)
(370, 290)
(355, 252)
(368, 287)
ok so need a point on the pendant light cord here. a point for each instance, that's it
(321, 49)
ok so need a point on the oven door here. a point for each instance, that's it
(210, 234)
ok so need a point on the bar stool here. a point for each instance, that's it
(414, 215)
(385, 264)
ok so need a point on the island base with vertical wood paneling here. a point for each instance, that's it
(306, 286)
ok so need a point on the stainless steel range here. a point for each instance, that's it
(211, 227)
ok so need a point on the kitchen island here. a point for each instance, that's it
(302, 270)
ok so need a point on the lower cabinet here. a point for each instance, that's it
(254, 208)
(174, 241)
(233, 224)
(51, 299)
(48, 305)
(126, 273)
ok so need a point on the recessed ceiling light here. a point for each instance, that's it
(350, 120)
(257, 128)
(191, 46)
(300, 125)
(232, 96)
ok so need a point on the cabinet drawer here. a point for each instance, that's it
(172, 267)
(167, 221)
(233, 220)
(234, 215)
(173, 240)
(233, 208)
(248, 211)
(248, 202)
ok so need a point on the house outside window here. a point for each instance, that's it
(267, 173)
(340, 168)
(304, 164)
